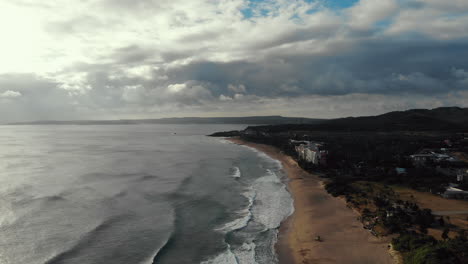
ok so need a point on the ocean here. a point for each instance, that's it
(125, 194)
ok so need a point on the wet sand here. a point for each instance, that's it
(316, 213)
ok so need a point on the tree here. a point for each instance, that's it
(445, 233)
(461, 235)
(441, 221)
(423, 229)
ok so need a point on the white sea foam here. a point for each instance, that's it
(245, 254)
(236, 172)
(245, 215)
(273, 202)
(226, 257)
(269, 204)
(224, 141)
(264, 156)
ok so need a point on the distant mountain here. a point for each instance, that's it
(438, 119)
(416, 119)
(249, 120)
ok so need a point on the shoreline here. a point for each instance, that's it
(317, 213)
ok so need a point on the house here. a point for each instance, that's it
(323, 157)
(400, 171)
(448, 142)
(250, 131)
(421, 159)
(455, 193)
(462, 175)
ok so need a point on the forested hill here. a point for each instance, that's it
(438, 119)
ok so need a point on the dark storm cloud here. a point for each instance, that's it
(383, 66)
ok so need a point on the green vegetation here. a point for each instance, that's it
(423, 249)
(366, 155)
(382, 211)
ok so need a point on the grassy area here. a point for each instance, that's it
(461, 156)
(442, 207)
(422, 237)
(423, 249)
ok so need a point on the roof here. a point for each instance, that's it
(400, 170)
(422, 155)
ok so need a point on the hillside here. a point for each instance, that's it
(438, 119)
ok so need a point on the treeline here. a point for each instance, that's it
(360, 166)
(421, 248)
(438, 119)
(373, 156)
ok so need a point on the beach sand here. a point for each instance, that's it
(319, 214)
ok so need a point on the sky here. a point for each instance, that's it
(118, 59)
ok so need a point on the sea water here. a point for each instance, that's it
(136, 194)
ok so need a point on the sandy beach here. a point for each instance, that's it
(319, 214)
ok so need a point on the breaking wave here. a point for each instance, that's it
(236, 173)
(251, 237)
(245, 215)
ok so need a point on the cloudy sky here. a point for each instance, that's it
(112, 59)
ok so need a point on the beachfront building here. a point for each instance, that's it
(462, 175)
(427, 156)
(400, 171)
(455, 193)
(421, 159)
(310, 152)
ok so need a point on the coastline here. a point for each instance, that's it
(316, 213)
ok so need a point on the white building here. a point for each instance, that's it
(455, 193)
(309, 151)
(462, 175)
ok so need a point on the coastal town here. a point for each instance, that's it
(449, 162)
(407, 187)
(446, 159)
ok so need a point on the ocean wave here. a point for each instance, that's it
(264, 156)
(270, 177)
(236, 173)
(245, 215)
(86, 240)
(273, 202)
(226, 257)
(257, 226)
(224, 141)
(54, 198)
(162, 249)
(245, 254)
(148, 177)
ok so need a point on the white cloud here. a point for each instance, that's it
(138, 58)
(176, 88)
(237, 88)
(225, 98)
(10, 94)
(366, 13)
(437, 19)
(238, 96)
(133, 93)
(74, 82)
